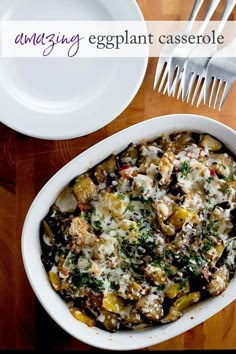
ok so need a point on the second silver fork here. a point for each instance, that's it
(195, 66)
(168, 49)
(182, 51)
(222, 70)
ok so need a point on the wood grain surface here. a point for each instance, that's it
(26, 164)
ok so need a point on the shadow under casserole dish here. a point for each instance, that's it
(145, 234)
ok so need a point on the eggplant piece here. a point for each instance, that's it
(54, 280)
(48, 236)
(105, 168)
(222, 165)
(53, 229)
(215, 252)
(82, 317)
(166, 167)
(168, 229)
(181, 140)
(181, 304)
(129, 156)
(177, 141)
(81, 237)
(172, 316)
(181, 216)
(219, 281)
(84, 190)
(176, 289)
(186, 301)
(164, 209)
(91, 303)
(131, 316)
(113, 303)
(210, 143)
(113, 204)
(151, 307)
(157, 274)
(150, 156)
(135, 291)
(109, 320)
(66, 201)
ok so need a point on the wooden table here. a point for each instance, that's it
(26, 164)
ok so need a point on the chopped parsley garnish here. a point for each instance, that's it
(127, 249)
(130, 207)
(142, 211)
(160, 287)
(89, 212)
(207, 244)
(168, 253)
(113, 285)
(144, 237)
(224, 190)
(182, 282)
(157, 262)
(212, 226)
(85, 279)
(210, 179)
(142, 189)
(168, 270)
(96, 284)
(98, 224)
(185, 169)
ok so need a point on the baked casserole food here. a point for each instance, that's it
(146, 233)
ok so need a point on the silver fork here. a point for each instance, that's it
(195, 66)
(182, 51)
(222, 70)
(167, 50)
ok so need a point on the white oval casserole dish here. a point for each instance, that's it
(31, 251)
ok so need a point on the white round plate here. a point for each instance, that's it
(63, 98)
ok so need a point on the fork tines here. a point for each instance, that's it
(183, 71)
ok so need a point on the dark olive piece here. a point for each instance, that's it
(224, 205)
(233, 213)
(196, 138)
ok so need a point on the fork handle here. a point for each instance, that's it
(194, 13)
(226, 13)
(210, 11)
